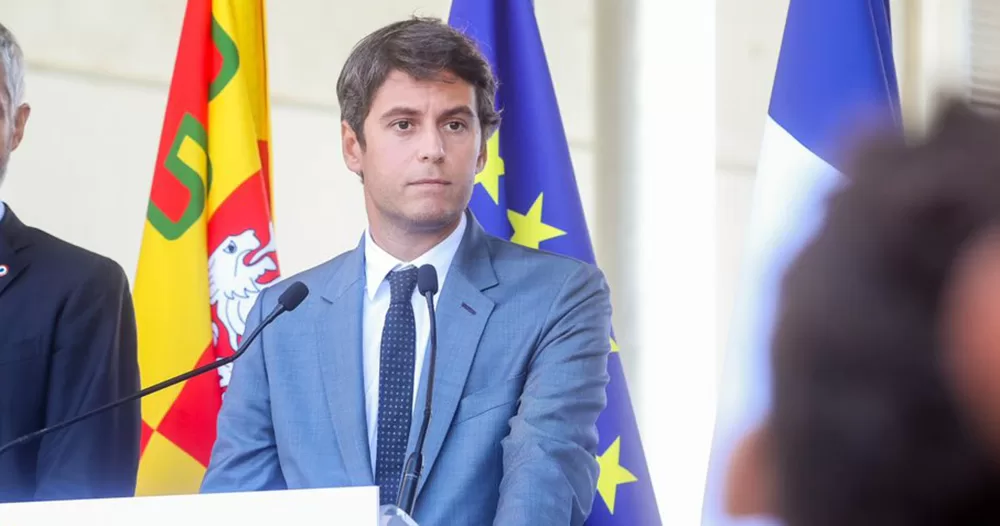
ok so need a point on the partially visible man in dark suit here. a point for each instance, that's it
(67, 345)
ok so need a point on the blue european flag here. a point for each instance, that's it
(527, 193)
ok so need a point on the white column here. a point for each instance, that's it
(657, 120)
(937, 48)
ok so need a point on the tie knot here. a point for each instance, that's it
(401, 284)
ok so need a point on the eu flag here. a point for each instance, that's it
(527, 193)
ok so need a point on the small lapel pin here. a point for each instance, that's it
(3, 270)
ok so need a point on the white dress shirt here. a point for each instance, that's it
(3, 208)
(378, 264)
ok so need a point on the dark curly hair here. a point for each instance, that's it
(866, 429)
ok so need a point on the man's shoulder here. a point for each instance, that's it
(71, 263)
(314, 278)
(544, 280)
(520, 266)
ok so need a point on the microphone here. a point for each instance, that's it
(427, 284)
(288, 301)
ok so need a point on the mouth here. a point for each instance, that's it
(257, 257)
(430, 182)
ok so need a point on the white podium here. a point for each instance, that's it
(329, 507)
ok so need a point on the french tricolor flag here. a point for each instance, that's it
(835, 80)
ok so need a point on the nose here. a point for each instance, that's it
(432, 147)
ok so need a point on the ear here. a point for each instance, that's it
(483, 153)
(20, 121)
(353, 151)
(750, 484)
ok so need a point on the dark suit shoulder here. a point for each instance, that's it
(70, 263)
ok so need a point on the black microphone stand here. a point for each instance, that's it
(414, 464)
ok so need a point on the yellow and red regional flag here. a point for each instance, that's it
(207, 246)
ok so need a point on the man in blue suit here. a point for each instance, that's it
(332, 394)
(67, 345)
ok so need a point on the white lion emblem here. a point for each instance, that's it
(233, 285)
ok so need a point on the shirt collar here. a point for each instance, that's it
(3, 209)
(378, 262)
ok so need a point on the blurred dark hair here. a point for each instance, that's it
(867, 430)
(423, 48)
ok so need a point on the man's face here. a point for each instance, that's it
(6, 134)
(12, 121)
(972, 328)
(423, 148)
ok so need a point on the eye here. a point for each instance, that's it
(402, 125)
(456, 126)
(230, 248)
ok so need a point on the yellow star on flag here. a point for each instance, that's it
(490, 176)
(614, 346)
(612, 474)
(529, 230)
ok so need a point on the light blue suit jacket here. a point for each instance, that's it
(523, 340)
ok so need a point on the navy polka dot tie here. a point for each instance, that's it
(395, 383)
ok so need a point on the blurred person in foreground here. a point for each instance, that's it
(67, 345)
(886, 356)
(332, 395)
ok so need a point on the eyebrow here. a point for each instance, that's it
(462, 110)
(404, 111)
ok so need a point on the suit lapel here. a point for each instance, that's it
(13, 240)
(339, 350)
(462, 312)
